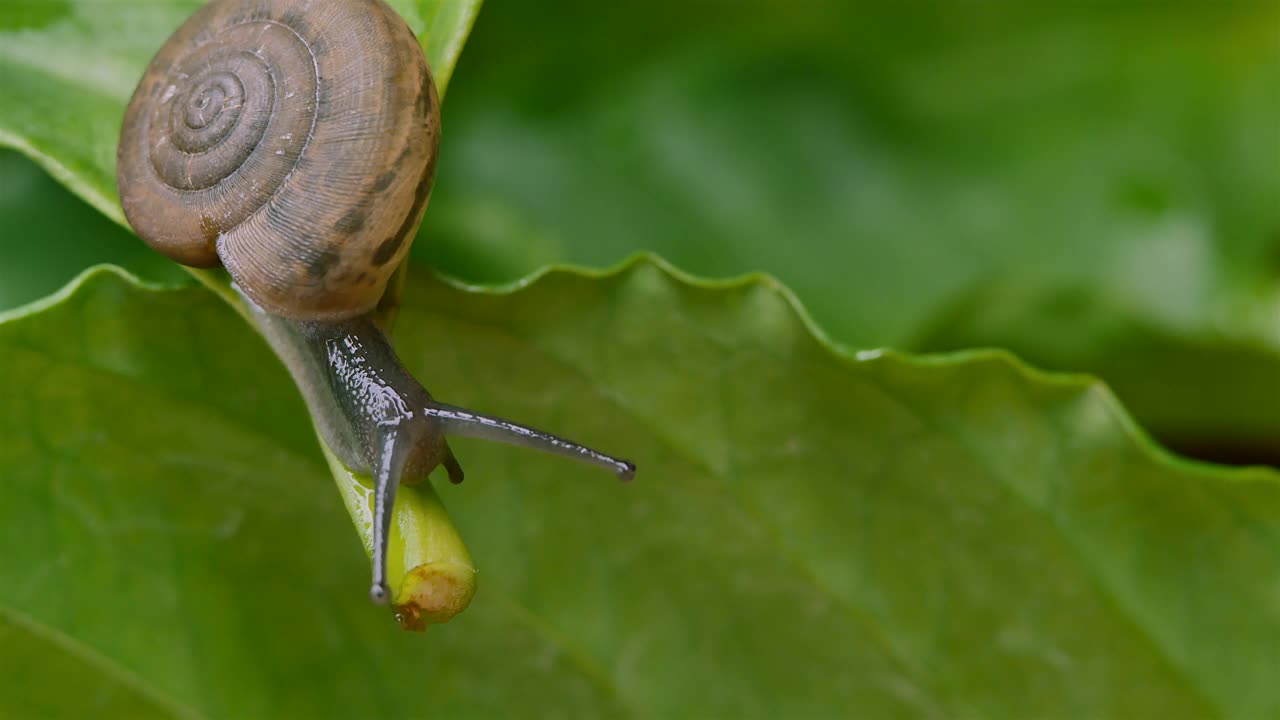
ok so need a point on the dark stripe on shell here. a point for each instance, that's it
(323, 263)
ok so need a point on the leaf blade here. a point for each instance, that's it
(908, 536)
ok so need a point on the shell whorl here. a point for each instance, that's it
(292, 141)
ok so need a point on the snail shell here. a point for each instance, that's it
(292, 141)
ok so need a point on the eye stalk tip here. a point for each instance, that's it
(627, 471)
(378, 594)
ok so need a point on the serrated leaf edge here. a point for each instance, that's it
(1082, 382)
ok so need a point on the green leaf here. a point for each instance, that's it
(899, 169)
(103, 688)
(1198, 392)
(60, 236)
(811, 534)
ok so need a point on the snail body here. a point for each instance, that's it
(294, 143)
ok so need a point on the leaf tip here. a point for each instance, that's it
(434, 593)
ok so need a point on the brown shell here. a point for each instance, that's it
(292, 141)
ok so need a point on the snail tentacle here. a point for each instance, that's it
(451, 466)
(387, 471)
(468, 423)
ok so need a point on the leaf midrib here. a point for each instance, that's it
(110, 668)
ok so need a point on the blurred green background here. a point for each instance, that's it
(1095, 186)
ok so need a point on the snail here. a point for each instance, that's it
(293, 142)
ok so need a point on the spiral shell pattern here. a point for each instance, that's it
(292, 141)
